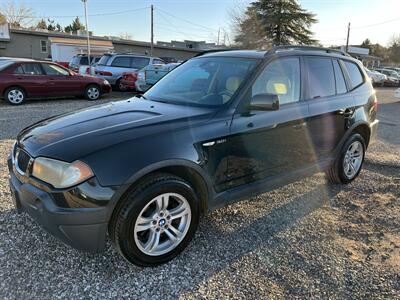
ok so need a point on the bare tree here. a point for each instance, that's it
(125, 36)
(17, 15)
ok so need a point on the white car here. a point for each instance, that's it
(376, 77)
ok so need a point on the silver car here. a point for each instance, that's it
(112, 66)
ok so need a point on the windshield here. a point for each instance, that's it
(5, 63)
(202, 81)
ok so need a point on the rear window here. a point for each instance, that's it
(121, 61)
(84, 61)
(356, 78)
(104, 59)
(139, 62)
(321, 78)
(74, 61)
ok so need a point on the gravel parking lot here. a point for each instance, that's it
(306, 240)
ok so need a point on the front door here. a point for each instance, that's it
(60, 82)
(270, 143)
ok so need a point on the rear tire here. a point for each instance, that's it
(120, 87)
(156, 220)
(15, 96)
(348, 164)
(92, 92)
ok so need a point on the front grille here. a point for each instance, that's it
(22, 160)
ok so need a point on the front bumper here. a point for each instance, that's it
(106, 88)
(82, 228)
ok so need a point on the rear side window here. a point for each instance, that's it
(139, 62)
(121, 61)
(356, 78)
(321, 78)
(158, 62)
(340, 81)
(84, 61)
(32, 69)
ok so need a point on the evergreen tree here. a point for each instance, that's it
(75, 26)
(277, 21)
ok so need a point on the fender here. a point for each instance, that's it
(348, 133)
(157, 166)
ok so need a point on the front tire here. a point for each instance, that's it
(156, 221)
(92, 92)
(348, 164)
(15, 96)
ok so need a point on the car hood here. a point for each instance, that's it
(76, 134)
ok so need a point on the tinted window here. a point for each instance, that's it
(282, 78)
(104, 59)
(139, 62)
(74, 61)
(54, 70)
(84, 61)
(321, 79)
(356, 77)
(209, 81)
(340, 81)
(18, 70)
(121, 61)
(32, 69)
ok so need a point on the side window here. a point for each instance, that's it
(32, 69)
(18, 70)
(84, 61)
(340, 82)
(121, 61)
(356, 78)
(158, 62)
(54, 70)
(43, 46)
(139, 62)
(281, 77)
(321, 79)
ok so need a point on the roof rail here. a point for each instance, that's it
(306, 48)
(213, 51)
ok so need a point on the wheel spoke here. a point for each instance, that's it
(352, 169)
(162, 203)
(153, 241)
(179, 212)
(143, 224)
(170, 235)
(175, 231)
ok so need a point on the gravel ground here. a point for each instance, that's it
(305, 240)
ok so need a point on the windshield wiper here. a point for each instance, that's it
(142, 96)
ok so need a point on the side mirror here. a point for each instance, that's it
(264, 102)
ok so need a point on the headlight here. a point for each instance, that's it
(60, 174)
(106, 82)
(140, 76)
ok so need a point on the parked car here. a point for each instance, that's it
(112, 66)
(393, 78)
(128, 80)
(376, 77)
(23, 79)
(80, 63)
(221, 127)
(149, 75)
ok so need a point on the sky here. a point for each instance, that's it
(377, 20)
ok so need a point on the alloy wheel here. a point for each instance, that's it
(93, 93)
(353, 159)
(162, 224)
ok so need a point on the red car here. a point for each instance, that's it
(23, 78)
(128, 80)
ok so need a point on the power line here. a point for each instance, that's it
(187, 21)
(91, 15)
(377, 24)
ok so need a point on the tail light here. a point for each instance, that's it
(376, 104)
(87, 71)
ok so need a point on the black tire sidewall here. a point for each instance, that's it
(87, 90)
(354, 137)
(14, 88)
(124, 236)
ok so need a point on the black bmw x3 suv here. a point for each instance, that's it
(221, 127)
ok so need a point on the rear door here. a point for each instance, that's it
(330, 104)
(60, 82)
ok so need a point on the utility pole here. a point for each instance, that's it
(347, 40)
(87, 35)
(152, 33)
(219, 30)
